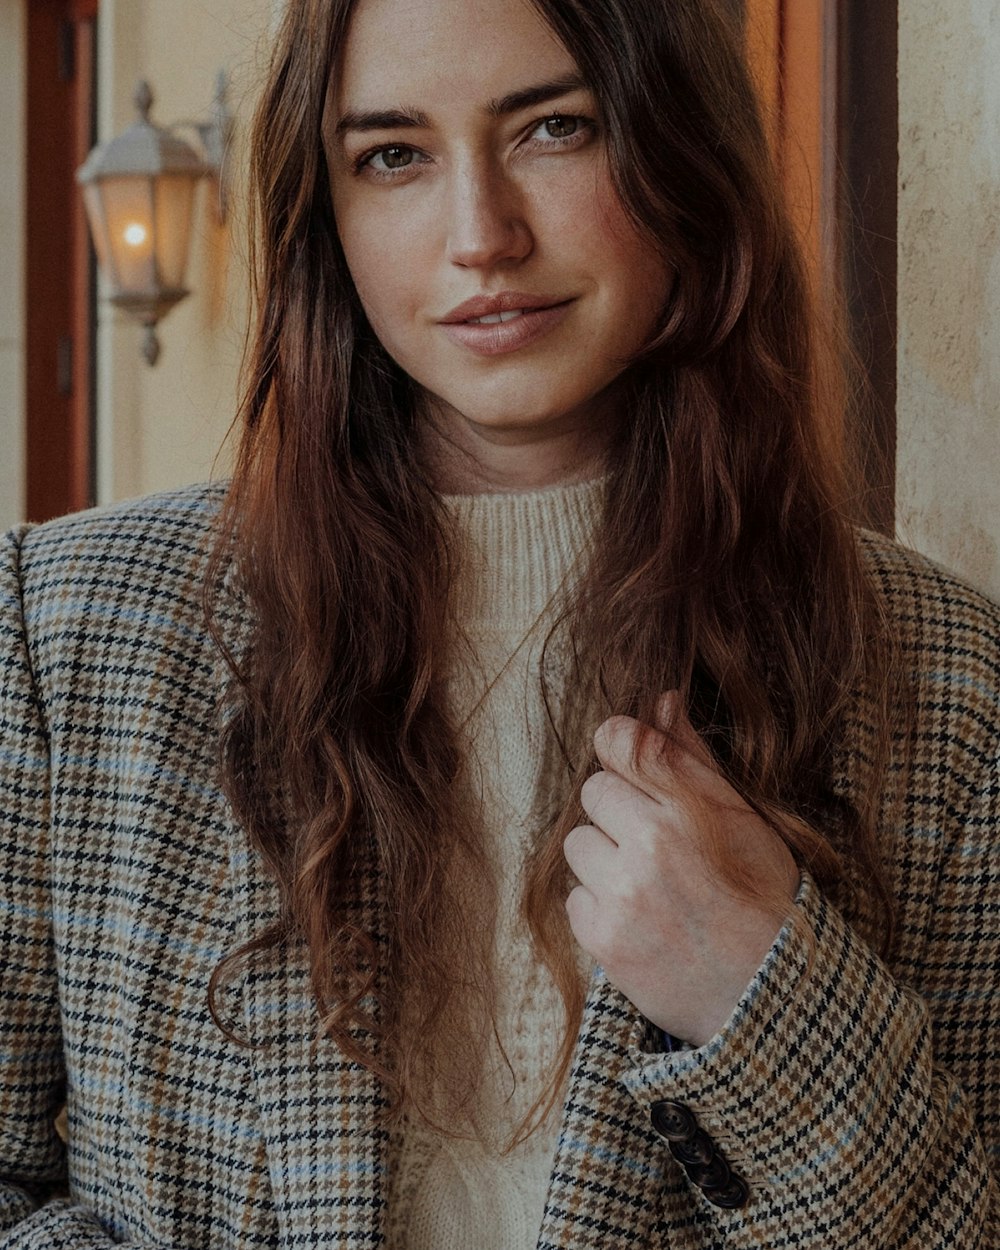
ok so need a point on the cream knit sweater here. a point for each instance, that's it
(520, 553)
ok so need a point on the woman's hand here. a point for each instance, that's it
(670, 936)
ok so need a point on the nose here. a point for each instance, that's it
(487, 219)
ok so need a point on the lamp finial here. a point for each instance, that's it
(151, 344)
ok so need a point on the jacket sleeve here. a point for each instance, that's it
(827, 1099)
(35, 1212)
(860, 1099)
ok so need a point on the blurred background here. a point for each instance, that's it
(885, 118)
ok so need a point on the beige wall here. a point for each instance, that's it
(12, 86)
(161, 426)
(948, 482)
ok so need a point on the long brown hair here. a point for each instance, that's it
(726, 565)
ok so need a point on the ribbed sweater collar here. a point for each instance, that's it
(519, 549)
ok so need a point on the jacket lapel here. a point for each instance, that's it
(319, 1113)
(608, 1169)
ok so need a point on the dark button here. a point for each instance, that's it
(696, 1149)
(734, 1194)
(713, 1175)
(673, 1121)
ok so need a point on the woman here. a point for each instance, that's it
(601, 852)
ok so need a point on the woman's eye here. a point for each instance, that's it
(386, 162)
(560, 127)
(392, 158)
(560, 131)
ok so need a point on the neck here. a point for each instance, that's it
(515, 472)
(468, 458)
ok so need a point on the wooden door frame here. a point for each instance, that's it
(60, 329)
(791, 47)
(868, 212)
(826, 71)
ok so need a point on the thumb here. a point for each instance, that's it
(671, 719)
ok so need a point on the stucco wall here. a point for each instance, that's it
(948, 484)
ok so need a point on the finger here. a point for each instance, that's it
(668, 707)
(582, 911)
(671, 776)
(637, 753)
(617, 807)
(590, 855)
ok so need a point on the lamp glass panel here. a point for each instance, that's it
(94, 205)
(174, 198)
(128, 214)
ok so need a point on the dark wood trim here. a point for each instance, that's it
(805, 127)
(59, 337)
(868, 211)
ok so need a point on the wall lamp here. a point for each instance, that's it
(138, 191)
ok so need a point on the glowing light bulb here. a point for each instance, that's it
(135, 234)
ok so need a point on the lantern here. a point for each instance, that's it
(138, 191)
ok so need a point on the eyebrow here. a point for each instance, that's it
(395, 118)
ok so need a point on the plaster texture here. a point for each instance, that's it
(948, 486)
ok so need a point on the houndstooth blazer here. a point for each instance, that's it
(859, 1102)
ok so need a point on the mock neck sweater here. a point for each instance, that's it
(520, 555)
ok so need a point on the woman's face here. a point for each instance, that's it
(447, 187)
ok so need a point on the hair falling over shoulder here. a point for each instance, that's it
(727, 565)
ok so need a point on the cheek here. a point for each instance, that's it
(642, 274)
(378, 297)
(385, 266)
(635, 280)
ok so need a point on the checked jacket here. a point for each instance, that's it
(859, 1100)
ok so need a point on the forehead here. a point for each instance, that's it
(397, 48)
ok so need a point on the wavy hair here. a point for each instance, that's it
(726, 565)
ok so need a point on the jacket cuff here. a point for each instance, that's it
(823, 1070)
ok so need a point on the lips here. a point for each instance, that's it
(503, 306)
(509, 331)
(495, 318)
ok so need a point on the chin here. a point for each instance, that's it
(522, 412)
(520, 426)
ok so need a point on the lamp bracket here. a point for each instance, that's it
(215, 137)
